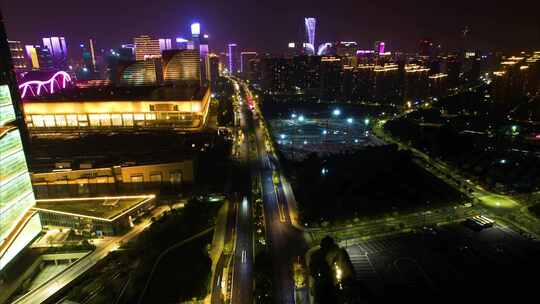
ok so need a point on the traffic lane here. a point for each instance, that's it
(277, 239)
(218, 277)
(216, 284)
(243, 256)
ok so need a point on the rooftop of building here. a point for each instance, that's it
(182, 92)
(99, 208)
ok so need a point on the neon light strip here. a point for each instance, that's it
(43, 84)
(146, 199)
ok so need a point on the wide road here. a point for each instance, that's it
(220, 278)
(242, 278)
(286, 242)
(51, 287)
(243, 256)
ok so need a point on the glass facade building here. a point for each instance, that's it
(18, 224)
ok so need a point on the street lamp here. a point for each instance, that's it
(514, 129)
(336, 112)
(282, 136)
(338, 273)
(301, 118)
(350, 120)
(293, 115)
(366, 121)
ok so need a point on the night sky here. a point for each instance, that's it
(263, 25)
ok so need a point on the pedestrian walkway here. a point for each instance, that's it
(362, 265)
(379, 245)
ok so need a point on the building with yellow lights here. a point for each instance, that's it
(109, 215)
(181, 65)
(516, 78)
(113, 180)
(17, 55)
(178, 108)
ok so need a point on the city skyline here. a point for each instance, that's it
(273, 153)
(401, 25)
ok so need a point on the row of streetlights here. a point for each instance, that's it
(336, 112)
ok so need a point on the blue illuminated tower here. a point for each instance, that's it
(311, 24)
(234, 60)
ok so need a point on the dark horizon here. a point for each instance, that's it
(269, 26)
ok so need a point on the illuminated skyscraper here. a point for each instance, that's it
(310, 24)
(89, 58)
(92, 45)
(205, 65)
(213, 67)
(245, 57)
(233, 58)
(379, 47)
(165, 44)
(19, 225)
(40, 57)
(181, 43)
(31, 53)
(58, 49)
(17, 55)
(146, 47)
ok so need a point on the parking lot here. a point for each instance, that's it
(449, 262)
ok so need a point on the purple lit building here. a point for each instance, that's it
(181, 43)
(233, 59)
(58, 49)
(379, 47)
(310, 24)
(165, 44)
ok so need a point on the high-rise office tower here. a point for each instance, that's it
(426, 48)
(40, 57)
(204, 50)
(213, 67)
(89, 56)
(379, 47)
(19, 224)
(92, 46)
(58, 49)
(146, 47)
(310, 24)
(245, 58)
(233, 59)
(195, 34)
(31, 54)
(181, 43)
(165, 44)
(17, 56)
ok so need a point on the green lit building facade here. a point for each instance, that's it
(19, 225)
